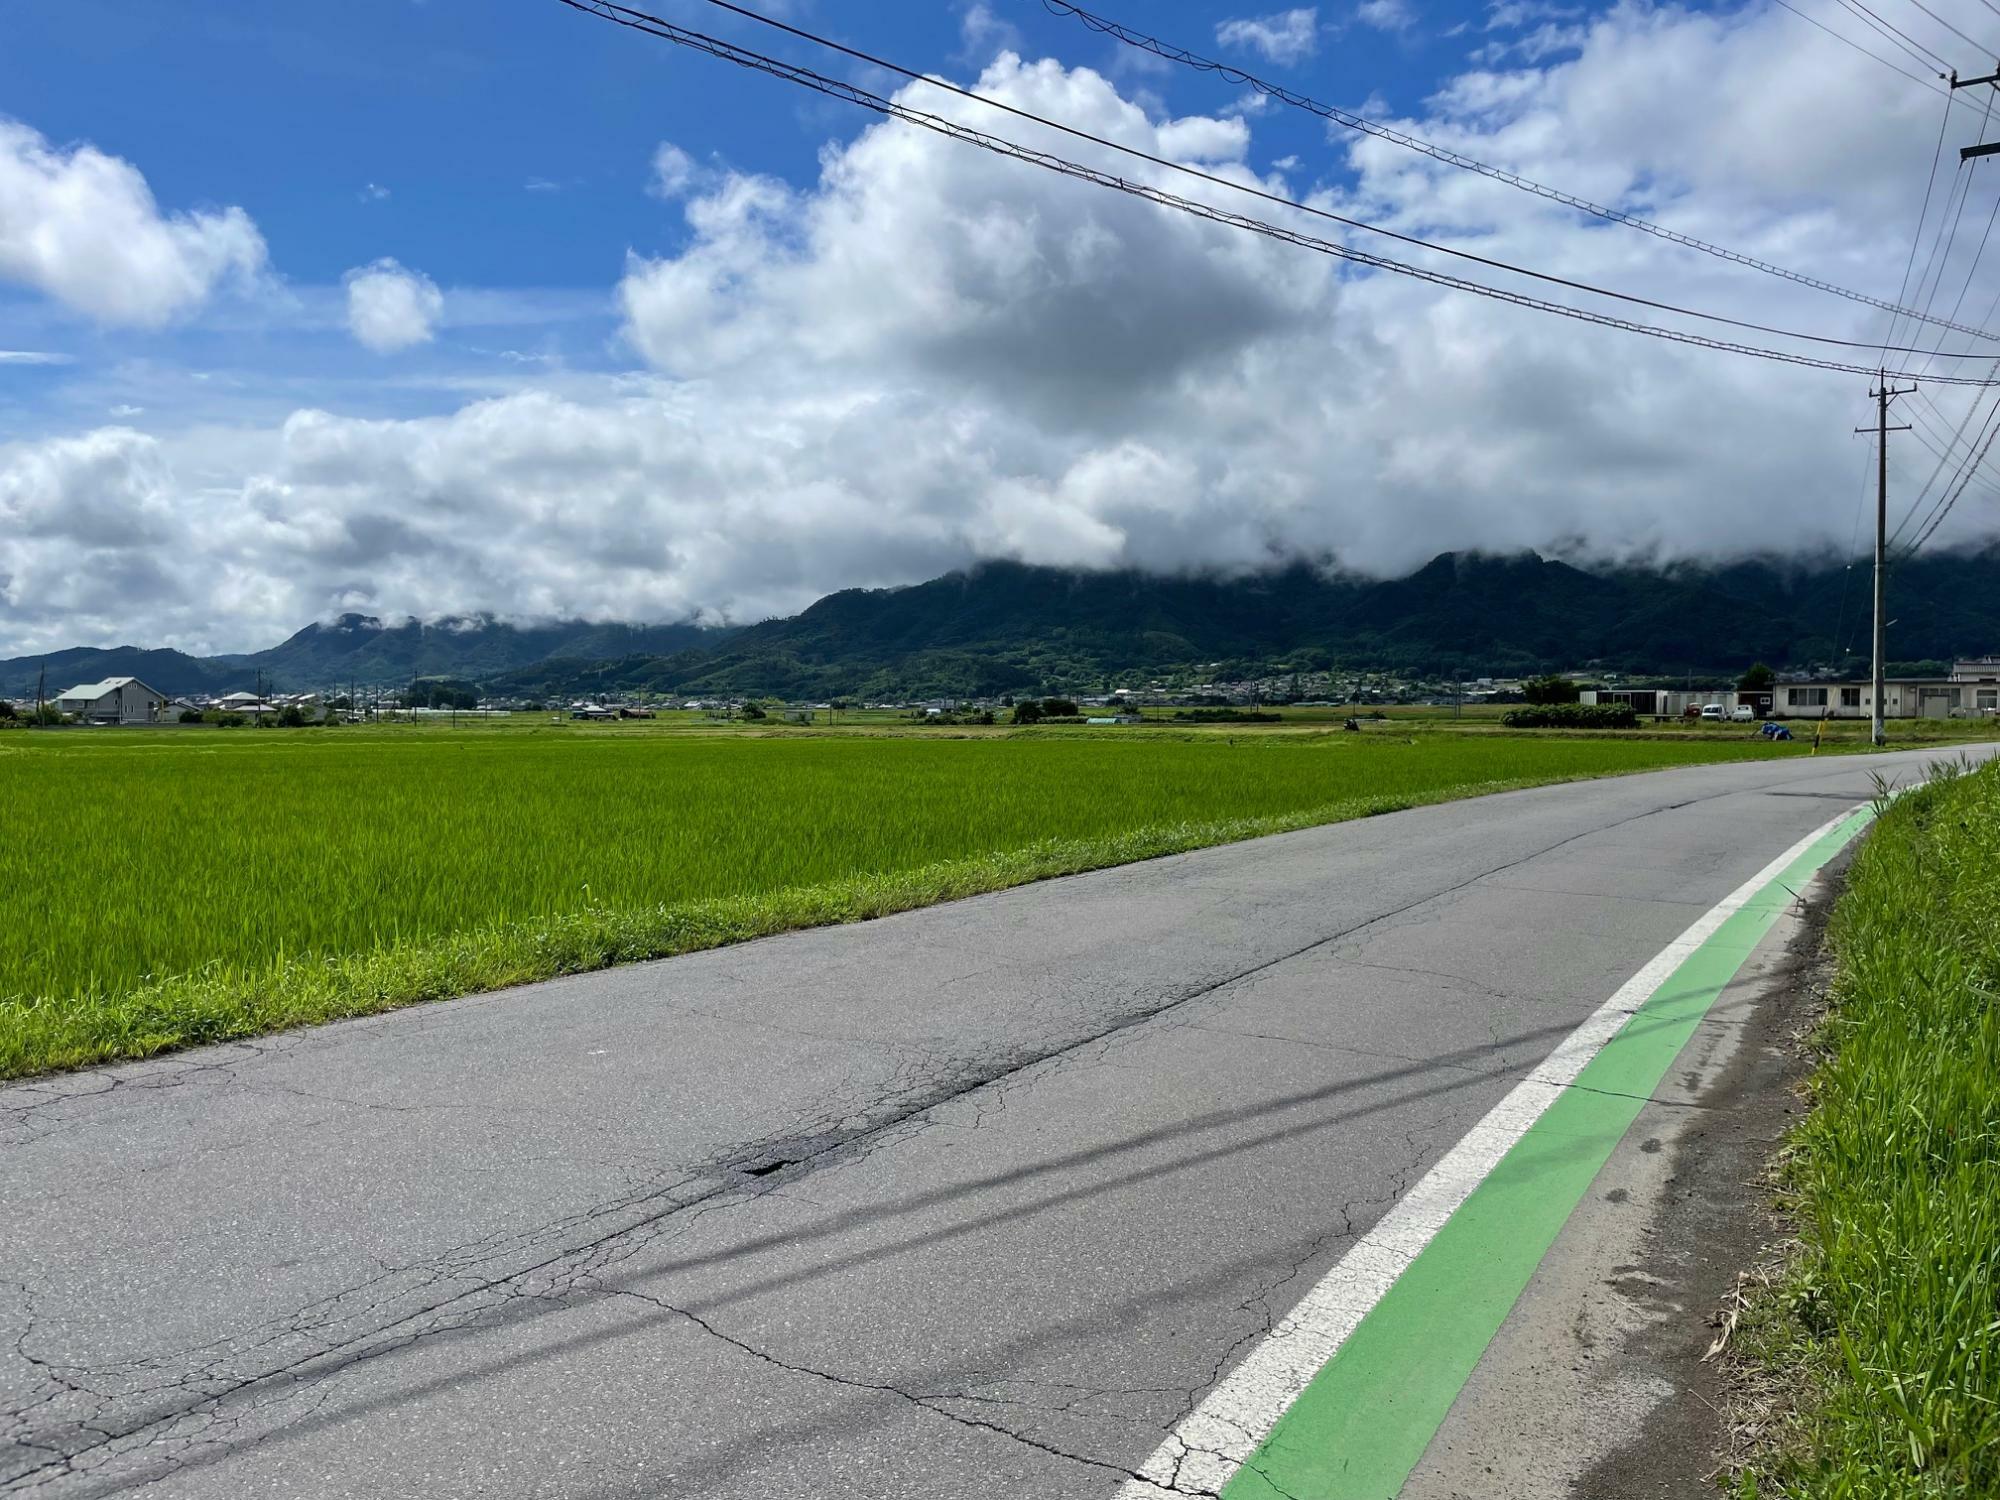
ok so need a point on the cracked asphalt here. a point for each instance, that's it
(971, 1201)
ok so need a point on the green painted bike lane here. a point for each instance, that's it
(1359, 1428)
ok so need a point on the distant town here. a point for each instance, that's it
(1967, 689)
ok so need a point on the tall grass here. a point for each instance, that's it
(159, 889)
(1893, 1333)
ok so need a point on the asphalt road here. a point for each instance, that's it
(971, 1201)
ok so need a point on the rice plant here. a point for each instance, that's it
(142, 872)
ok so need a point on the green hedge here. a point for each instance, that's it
(1572, 716)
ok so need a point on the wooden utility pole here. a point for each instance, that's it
(1883, 394)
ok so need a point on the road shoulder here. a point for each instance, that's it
(1596, 1385)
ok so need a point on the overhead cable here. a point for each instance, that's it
(1978, 254)
(1853, 543)
(1238, 76)
(1938, 515)
(1930, 432)
(1922, 55)
(1967, 467)
(1923, 214)
(1878, 57)
(1167, 163)
(1946, 238)
(1947, 456)
(1000, 146)
(1919, 4)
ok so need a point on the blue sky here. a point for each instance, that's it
(388, 305)
(507, 147)
(455, 106)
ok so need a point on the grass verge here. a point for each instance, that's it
(1885, 1326)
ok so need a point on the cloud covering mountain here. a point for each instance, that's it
(930, 356)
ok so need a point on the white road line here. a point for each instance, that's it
(1214, 1440)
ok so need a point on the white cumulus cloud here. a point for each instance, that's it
(82, 227)
(1385, 15)
(390, 307)
(928, 355)
(1287, 37)
(674, 172)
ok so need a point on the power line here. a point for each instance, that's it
(852, 93)
(1945, 458)
(1964, 466)
(1959, 449)
(1951, 443)
(1965, 287)
(1167, 163)
(1947, 230)
(1967, 467)
(1847, 577)
(1917, 50)
(1977, 255)
(1172, 53)
(1930, 434)
(1917, 237)
(1938, 515)
(1878, 57)
(1882, 395)
(1946, 237)
(1981, 46)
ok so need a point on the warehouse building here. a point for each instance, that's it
(1970, 690)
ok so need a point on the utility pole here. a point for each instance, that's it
(1989, 148)
(1884, 393)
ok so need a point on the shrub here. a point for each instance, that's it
(1058, 708)
(1550, 689)
(190, 716)
(1027, 711)
(1572, 716)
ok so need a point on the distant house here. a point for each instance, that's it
(242, 703)
(116, 700)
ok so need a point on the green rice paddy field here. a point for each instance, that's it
(163, 888)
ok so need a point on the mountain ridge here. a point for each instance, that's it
(362, 649)
(1002, 626)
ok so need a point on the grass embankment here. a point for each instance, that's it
(161, 890)
(1886, 1330)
